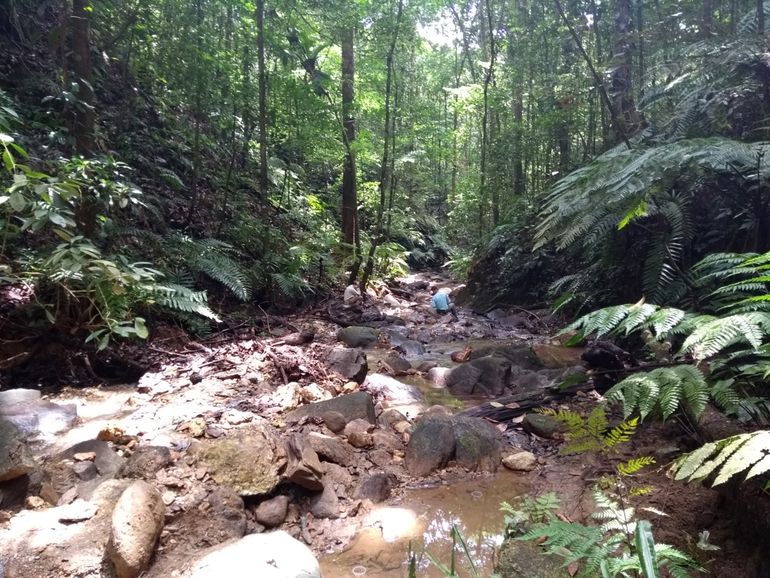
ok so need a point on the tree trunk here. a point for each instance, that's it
(349, 193)
(85, 113)
(197, 112)
(628, 119)
(263, 176)
(760, 17)
(386, 167)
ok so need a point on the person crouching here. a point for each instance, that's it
(441, 302)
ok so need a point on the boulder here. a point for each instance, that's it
(438, 376)
(107, 462)
(137, 521)
(357, 405)
(248, 463)
(477, 444)
(268, 555)
(334, 420)
(487, 375)
(15, 457)
(375, 488)
(225, 516)
(272, 512)
(331, 449)
(397, 364)
(555, 356)
(303, 468)
(145, 462)
(520, 355)
(391, 390)
(354, 336)
(351, 364)
(410, 347)
(431, 446)
(287, 396)
(520, 461)
(326, 504)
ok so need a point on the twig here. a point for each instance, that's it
(277, 363)
(167, 352)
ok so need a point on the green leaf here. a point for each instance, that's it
(645, 548)
(140, 328)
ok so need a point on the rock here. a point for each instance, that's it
(85, 471)
(326, 504)
(403, 427)
(287, 396)
(375, 488)
(359, 439)
(461, 356)
(268, 555)
(391, 390)
(331, 449)
(226, 517)
(554, 356)
(40, 418)
(520, 461)
(354, 336)
(431, 445)
(303, 468)
(520, 559)
(438, 376)
(58, 477)
(390, 417)
(409, 347)
(137, 521)
(145, 462)
(313, 393)
(348, 363)
(520, 355)
(272, 512)
(380, 458)
(541, 425)
(14, 396)
(334, 420)
(387, 440)
(337, 475)
(77, 511)
(15, 457)
(249, 463)
(397, 364)
(486, 375)
(68, 497)
(107, 462)
(13, 492)
(477, 444)
(356, 405)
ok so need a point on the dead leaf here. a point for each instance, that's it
(573, 568)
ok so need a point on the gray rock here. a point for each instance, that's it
(543, 426)
(326, 504)
(85, 470)
(520, 461)
(145, 462)
(520, 559)
(268, 555)
(477, 444)
(137, 521)
(387, 440)
(358, 405)
(438, 376)
(358, 336)
(337, 475)
(487, 375)
(431, 445)
(349, 363)
(272, 512)
(521, 355)
(107, 461)
(334, 420)
(375, 488)
(390, 417)
(15, 457)
(398, 364)
(331, 449)
(409, 347)
(226, 518)
(380, 458)
(248, 463)
(57, 479)
(303, 468)
(391, 390)
(77, 511)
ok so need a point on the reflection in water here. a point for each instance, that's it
(424, 520)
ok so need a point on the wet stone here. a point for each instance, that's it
(272, 512)
(376, 488)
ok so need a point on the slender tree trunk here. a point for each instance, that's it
(385, 168)
(621, 79)
(246, 95)
(349, 193)
(263, 168)
(197, 112)
(760, 17)
(85, 114)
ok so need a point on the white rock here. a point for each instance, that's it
(137, 521)
(520, 461)
(271, 555)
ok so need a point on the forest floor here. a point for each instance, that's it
(248, 379)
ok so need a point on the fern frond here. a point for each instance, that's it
(728, 457)
(634, 465)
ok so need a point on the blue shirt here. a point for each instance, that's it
(440, 301)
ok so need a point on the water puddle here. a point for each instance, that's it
(423, 519)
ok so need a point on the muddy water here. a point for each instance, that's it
(423, 520)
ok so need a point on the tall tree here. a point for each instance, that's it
(82, 69)
(349, 190)
(263, 168)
